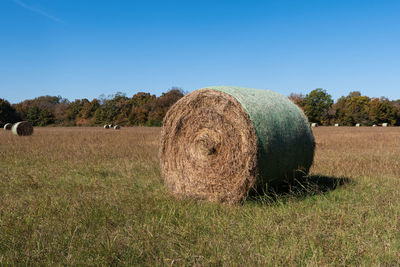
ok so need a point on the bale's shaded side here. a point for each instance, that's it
(22, 128)
(218, 142)
(7, 126)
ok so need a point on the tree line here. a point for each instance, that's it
(348, 110)
(145, 109)
(142, 109)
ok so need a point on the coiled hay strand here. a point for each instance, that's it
(219, 142)
(22, 128)
(117, 127)
(7, 126)
(106, 126)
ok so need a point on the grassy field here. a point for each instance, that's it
(96, 197)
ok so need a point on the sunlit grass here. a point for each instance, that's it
(95, 196)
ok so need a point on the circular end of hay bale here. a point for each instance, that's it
(218, 143)
(7, 126)
(106, 126)
(22, 128)
(209, 147)
(117, 127)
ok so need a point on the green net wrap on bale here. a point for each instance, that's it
(219, 142)
(22, 128)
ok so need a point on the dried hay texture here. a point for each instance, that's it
(217, 143)
(22, 128)
(117, 127)
(106, 126)
(7, 126)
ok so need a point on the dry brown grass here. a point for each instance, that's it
(356, 152)
(88, 196)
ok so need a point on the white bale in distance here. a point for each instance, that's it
(358, 125)
(110, 125)
(336, 124)
(374, 125)
(7, 126)
(117, 127)
(106, 126)
(314, 124)
(385, 124)
(22, 128)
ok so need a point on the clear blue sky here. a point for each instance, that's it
(85, 48)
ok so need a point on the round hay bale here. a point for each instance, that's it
(110, 125)
(217, 143)
(117, 127)
(314, 124)
(336, 124)
(7, 126)
(106, 126)
(385, 124)
(358, 125)
(374, 125)
(22, 128)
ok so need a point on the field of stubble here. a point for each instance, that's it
(90, 196)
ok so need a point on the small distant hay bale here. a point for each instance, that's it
(358, 125)
(374, 125)
(336, 124)
(106, 126)
(385, 124)
(218, 143)
(117, 127)
(314, 124)
(110, 125)
(7, 126)
(22, 128)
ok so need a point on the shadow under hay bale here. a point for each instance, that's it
(300, 188)
(22, 128)
(7, 126)
(219, 142)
